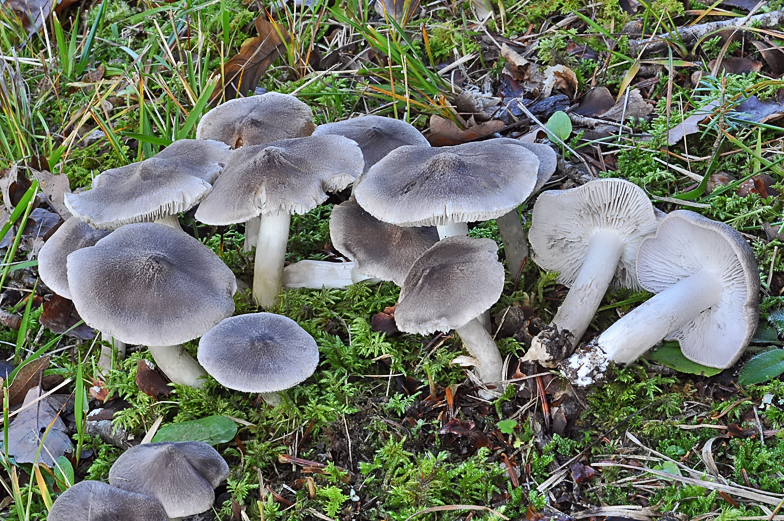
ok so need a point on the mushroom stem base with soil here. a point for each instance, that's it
(486, 357)
(178, 365)
(515, 243)
(270, 257)
(645, 326)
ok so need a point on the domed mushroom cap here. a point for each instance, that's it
(149, 284)
(256, 120)
(456, 280)
(377, 136)
(98, 501)
(258, 353)
(563, 222)
(422, 186)
(289, 176)
(170, 182)
(378, 249)
(182, 476)
(685, 244)
(72, 235)
(548, 159)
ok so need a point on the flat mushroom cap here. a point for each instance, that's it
(548, 159)
(456, 280)
(378, 249)
(173, 181)
(563, 222)
(422, 186)
(290, 176)
(149, 284)
(686, 243)
(72, 235)
(98, 501)
(258, 353)
(377, 136)
(256, 120)
(182, 476)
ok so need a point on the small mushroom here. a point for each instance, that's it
(376, 136)
(590, 235)
(150, 284)
(156, 189)
(706, 283)
(275, 181)
(181, 476)
(258, 353)
(448, 286)
(98, 501)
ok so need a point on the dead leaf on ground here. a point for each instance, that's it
(596, 102)
(40, 223)
(691, 124)
(384, 322)
(95, 75)
(761, 184)
(559, 78)
(515, 65)
(398, 9)
(60, 314)
(242, 73)
(54, 188)
(629, 6)
(736, 65)
(26, 432)
(149, 380)
(633, 107)
(8, 238)
(758, 111)
(32, 13)
(746, 5)
(718, 179)
(773, 56)
(26, 379)
(445, 132)
(581, 473)
(13, 185)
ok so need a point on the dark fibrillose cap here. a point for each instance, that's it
(259, 352)
(149, 284)
(182, 476)
(98, 501)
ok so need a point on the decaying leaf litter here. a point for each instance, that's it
(682, 100)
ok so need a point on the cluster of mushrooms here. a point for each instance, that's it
(134, 275)
(149, 482)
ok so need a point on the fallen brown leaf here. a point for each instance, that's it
(149, 381)
(26, 379)
(773, 56)
(633, 107)
(384, 322)
(13, 185)
(25, 434)
(559, 78)
(516, 65)
(242, 72)
(761, 111)
(596, 102)
(761, 184)
(581, 473)
(445, 132)
(690, 125)
(59, 315)
(32, 13)
(735, 65)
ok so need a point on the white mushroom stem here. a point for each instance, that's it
(178, 365)
(270, 257)
(315, 274)
(515, 243)
(646, 325)
(251, 233)
(171, 221)
(108, 352)
(482, 347)
(452, 229)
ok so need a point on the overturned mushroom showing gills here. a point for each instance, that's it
(275, 181)
(377, 136)
(156, 189)
(257, 120)
(451, 284)
(590, 235)
(258, 353)
(182, 476)
(150, 284)
(707, 288)
(98, 501)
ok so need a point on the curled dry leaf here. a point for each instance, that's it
(773, 56)
(242, 73)
(633, 107)
(516, 65)
(444, 132)
(384, 322)
(13, 186)
(25, 434)
(736, 65)
(59, 315)
(27, 378)
(596, 102)
(761, 184)
(149, 380)
(559, 78)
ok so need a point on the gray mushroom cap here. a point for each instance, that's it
(289, 176)
(378, 249)
(258, 353)
(98, 501)
(257, 120)
(72, 235)
(686, 243)
(377, 136)
(422, 186)
(172, 181)
(563, 222)
(182, 476)
(548, 159)
(149, 284)
(456, 280)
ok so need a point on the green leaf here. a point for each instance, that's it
(211, 430)
(762, 367)
(560, 125)
(64, 473)
(777, 319)
(766, 334)
(507, 426)
(670, 355)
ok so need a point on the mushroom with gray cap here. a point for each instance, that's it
(448, 286)
(98, 501)
(181, 476)
(590, 235)
(276, 180)
(706, 285)
(150, 284)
